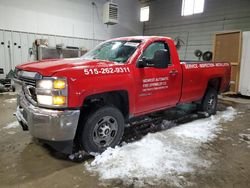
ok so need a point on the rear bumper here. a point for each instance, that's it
(58, 126)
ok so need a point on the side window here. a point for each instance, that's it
(152, 48)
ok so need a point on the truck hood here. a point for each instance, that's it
(51, 66)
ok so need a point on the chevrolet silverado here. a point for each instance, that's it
(83, 103)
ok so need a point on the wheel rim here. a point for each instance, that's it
(105, 131)
(211, 103)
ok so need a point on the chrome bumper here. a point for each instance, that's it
(45, 124)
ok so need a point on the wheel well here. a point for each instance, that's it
(212, 83)
(215, 83)
(118, 99)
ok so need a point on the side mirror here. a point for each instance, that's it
(143, 62)
(160, 60)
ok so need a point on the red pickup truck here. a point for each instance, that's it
(83, 103)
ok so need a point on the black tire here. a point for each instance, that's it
(102, 128)
(209, 102)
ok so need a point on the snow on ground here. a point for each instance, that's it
(245, 138)
(12, 100)
(8, 93)
(12, 125)
(163, 156)
(11, 132)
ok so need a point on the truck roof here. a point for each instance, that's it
(140, 38)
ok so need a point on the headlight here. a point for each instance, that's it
(44, 100)
(45, 84)
(52, 92)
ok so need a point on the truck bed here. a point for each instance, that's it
(196, 75)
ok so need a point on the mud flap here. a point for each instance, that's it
(65, 147)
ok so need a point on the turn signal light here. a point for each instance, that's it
(59, 100)
(59, 84)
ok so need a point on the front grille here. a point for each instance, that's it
(29, 88)
(28, 81)
(32, 93)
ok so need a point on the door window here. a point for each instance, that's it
(152, 48)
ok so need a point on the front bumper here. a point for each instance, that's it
(45, 124)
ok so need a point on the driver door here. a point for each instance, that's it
(156, 88)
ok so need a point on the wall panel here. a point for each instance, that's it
(197, 31)
(72, 22)
(18, 46)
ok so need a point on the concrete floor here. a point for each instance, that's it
(26, 163)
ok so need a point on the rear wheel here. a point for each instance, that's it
(209, 102)
(103, 128)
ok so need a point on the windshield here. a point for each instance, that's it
(117, 51)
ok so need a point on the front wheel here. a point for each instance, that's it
(209, 102)
(103, 128)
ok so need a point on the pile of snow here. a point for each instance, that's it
(12, 125)
(163, 157)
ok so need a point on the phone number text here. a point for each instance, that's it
(96, 71)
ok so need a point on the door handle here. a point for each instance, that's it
(173, 72)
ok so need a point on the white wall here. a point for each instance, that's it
(197, 31)
(72, 18)
(71, 22)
